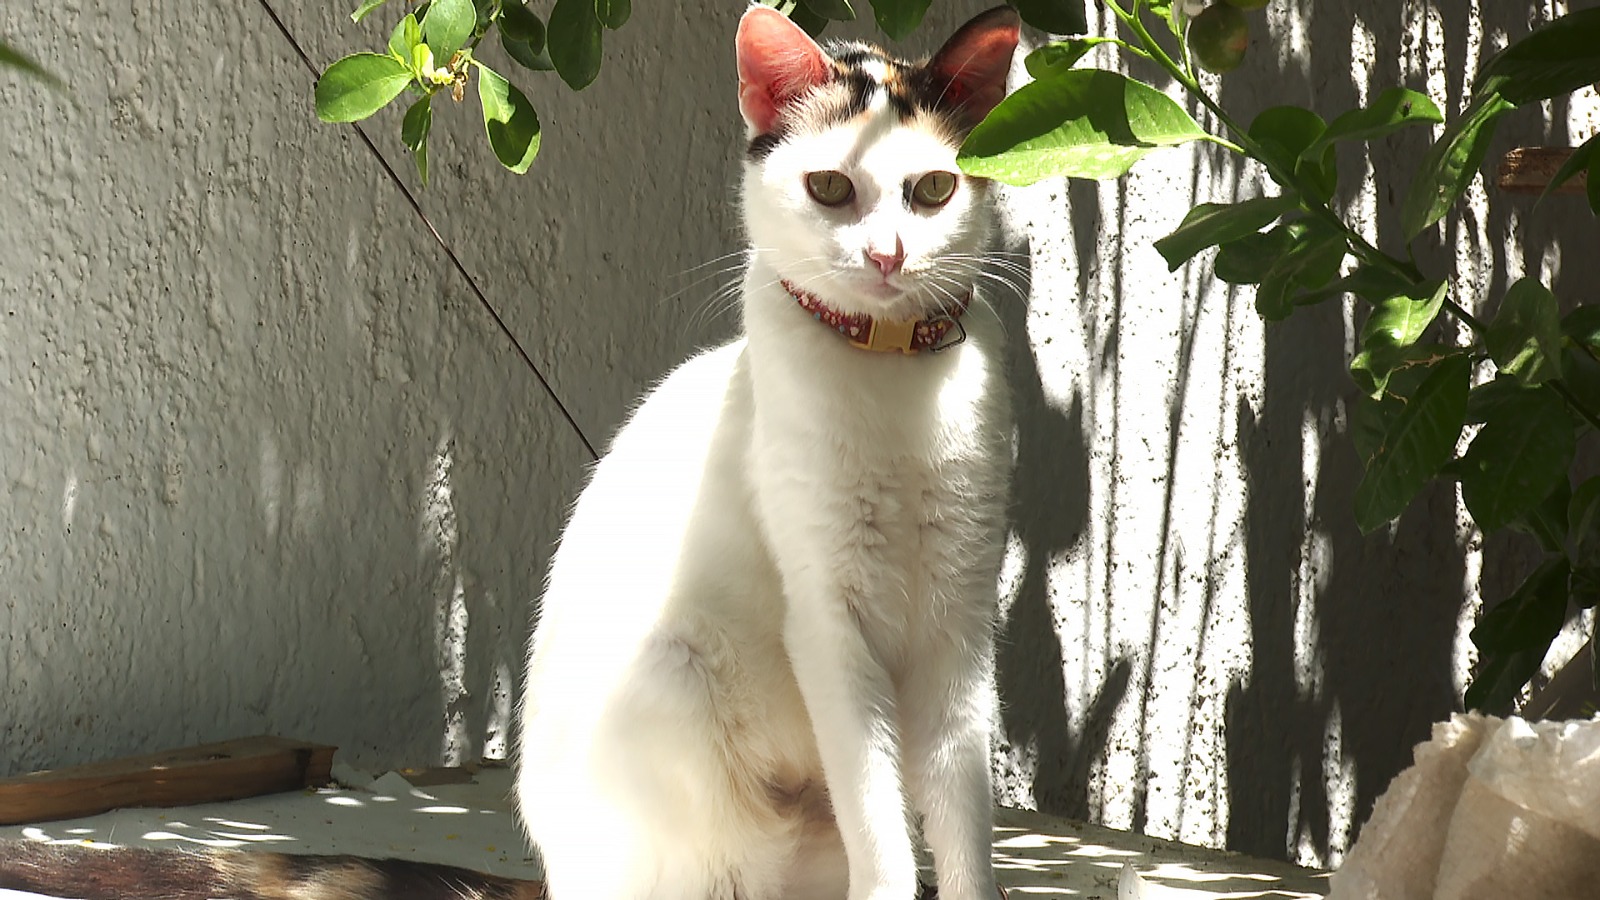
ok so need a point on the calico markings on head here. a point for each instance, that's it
(851, 187)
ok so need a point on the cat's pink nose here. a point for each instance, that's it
(888, 263)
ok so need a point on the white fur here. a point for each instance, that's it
(778, 589)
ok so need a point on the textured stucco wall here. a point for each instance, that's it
(1201, 644)
(265, 466)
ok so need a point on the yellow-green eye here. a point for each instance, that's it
(830, 188)
(934, 189)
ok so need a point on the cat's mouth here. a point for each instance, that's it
(897, 297)
(883, 289)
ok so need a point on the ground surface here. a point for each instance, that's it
(469, 823)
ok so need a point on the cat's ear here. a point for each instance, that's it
(778, 62)
(970, 69)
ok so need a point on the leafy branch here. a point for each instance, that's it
(431, 50)
(1295, 250)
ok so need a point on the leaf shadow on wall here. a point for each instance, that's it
(1373, 668)
(1049, 513)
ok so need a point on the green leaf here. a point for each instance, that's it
(358, 86)
(1168, 12)
(1559, 58)
(1547, 521)
(1580, 376)
(404, 39)
(519, 24)
(833, 10)
(1399, 321)
(1247, 260)
(1583, 523)
(1370, 420)
(1532, 616)
(1584, 587)
(802, 15)
(613, 14)
(1394, 109)
(1419, 441)
(1052, 59)
(1285, 134)
(574, 42)
(1515, 635)
(366, 6)
(1516, 459)
(1487, 399)
(1525, 337)
(1373, 284)
(897, 18)
(422, 68)
(1053, 16)
(1500, 678)
(16, 59)
(414, 134)
(1376, 369)
(510, 121)
(1451, 164)
(1082, 123)
(1582, 160)
(447, 26)
(1286, 131)
(1210, 224)
(1311, 261)
(1583, 325)
(525, 55)
(1372, 417)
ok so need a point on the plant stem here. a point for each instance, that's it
(1467, 318)
(1248, 146)
(1572, 401)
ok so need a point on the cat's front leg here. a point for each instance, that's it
(948, 714)
(850, 699)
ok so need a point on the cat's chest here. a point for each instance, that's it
(886, 489)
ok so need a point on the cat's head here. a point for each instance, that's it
(851, 189)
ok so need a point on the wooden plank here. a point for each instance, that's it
(209, 773)
(1528, 170)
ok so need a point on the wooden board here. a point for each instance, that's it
(1528, 170)
(209, 773)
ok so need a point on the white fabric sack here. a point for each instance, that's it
(1490, 808)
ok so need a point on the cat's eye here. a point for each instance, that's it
(830, 188)
(934, 189)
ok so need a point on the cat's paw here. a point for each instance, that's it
(931, 892)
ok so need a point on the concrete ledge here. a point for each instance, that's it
(467, 822)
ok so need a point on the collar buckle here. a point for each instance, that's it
(885, 336)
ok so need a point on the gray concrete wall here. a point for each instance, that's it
(266, 466)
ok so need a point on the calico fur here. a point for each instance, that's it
(122, 873)
(764, 651)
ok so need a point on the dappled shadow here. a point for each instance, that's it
(1338, 693)
(1049, 512)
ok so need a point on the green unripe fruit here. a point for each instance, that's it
(1218, 37)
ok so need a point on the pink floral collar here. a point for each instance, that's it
(867, 333)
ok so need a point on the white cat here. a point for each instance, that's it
(766, 641)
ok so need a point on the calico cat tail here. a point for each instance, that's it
(86, 872)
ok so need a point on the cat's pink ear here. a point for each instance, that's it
(971, 67)
(778, 62)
